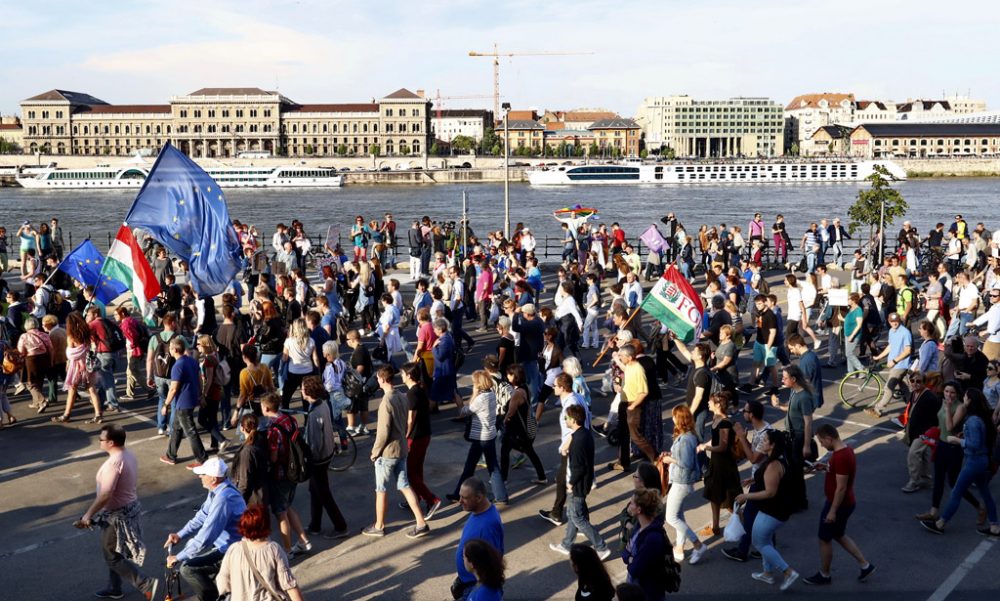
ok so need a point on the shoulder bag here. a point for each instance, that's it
(257, 576)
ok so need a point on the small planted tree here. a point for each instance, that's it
(374, 150)
(342, 150)
(877, 206)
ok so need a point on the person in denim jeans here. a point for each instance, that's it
(389, 456)
(105, 357)
(684, 474)
(579, 481)
(161, 364)
(482, 434)
(977, 441)
(771, 492)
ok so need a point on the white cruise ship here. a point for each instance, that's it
(104, 176)
(711, 172)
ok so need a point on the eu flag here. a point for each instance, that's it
(183, 208)
(84, 265)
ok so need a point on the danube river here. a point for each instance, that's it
(98, 213)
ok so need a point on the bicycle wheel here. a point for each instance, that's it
(860, 388)
(345, 456)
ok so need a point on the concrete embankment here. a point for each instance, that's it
(971, 167)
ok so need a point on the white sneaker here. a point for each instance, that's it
(697, 554)
(678, 554)
(789, 580)
(602, 555)
(816, 344)
(763, 577)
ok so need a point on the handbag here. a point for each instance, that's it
(467, 433)
(734, 531)
(257, 576)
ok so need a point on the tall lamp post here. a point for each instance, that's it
(506, 172)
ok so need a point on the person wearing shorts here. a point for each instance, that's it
(389, 456)
(839, 505)
(765, 351)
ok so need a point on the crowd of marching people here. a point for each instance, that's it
(333, 328)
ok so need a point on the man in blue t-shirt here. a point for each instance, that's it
(185, 390)
(812, 371)
(897, 356)
(483, 523)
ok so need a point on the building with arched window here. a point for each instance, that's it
(224, 123)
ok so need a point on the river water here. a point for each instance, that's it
(98, 213)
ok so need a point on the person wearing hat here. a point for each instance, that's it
(212, 530)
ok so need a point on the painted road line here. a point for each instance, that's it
(956, 577)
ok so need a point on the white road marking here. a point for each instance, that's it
(956, 577)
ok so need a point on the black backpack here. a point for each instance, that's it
(352, 383)
(116, 338)
(670, 576)
(299, 456)
(162, 361)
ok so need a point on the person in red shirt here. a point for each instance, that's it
(617, 238)
(839, 490)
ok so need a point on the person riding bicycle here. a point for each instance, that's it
(213, 529)
(898, 353)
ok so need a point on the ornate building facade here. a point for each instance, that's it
(225, 123)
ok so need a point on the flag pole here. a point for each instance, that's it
(608, 346)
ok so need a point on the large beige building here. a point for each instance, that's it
(748, 127)
(921, 140)
(225, 122)
(807, 113)
(11, 132)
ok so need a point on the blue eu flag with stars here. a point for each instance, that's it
(183, 208)
(84, 265)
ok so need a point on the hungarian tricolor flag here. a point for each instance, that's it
(674, 303)
(127, 264)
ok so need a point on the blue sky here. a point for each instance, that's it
(336, 51)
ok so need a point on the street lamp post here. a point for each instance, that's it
(506, 171)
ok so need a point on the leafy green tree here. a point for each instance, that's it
(643, 153)
(309, 149)
(342, 150)
(794, 150)
(463, 144)
(404, 149)
(490, 141)
(374, 150)
(669, 153)
(594, 149)
(435, 149)
(496, 149)
(880, 204)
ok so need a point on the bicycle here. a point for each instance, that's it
(864, 387)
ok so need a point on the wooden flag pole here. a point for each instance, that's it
(608, 346)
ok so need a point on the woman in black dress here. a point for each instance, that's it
(722, 482)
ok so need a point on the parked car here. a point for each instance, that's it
(345, 168)
(386, 168)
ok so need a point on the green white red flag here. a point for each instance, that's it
(674, 302)
(127, 264)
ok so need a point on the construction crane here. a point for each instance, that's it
(496, 54)
(438, 98)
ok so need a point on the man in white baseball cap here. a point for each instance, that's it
(213, 529)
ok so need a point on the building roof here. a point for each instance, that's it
(926, 105)
(365, 107)
(888, 130)
(813, 100)
(404, 94)
(863, 104)
(555, 126)
(837, 132)
(522, 124)
(589, 115)
(522, 115)
(616, 123)
(231, 92)
(71, 97)
(125, 108)
(10, 126)
(483, 113)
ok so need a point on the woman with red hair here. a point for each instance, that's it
(256, 567)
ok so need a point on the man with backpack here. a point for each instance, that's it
(108, 340)
(282, 433)
(158, 365)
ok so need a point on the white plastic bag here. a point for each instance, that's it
(734, 528)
